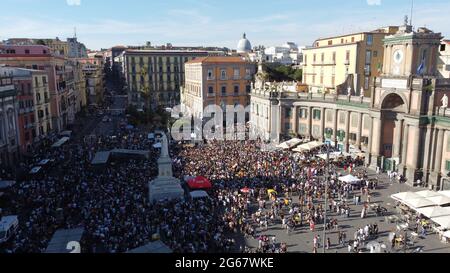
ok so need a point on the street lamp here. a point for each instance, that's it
(327, 176)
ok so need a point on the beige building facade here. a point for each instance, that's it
(222, 81)
(338, 64)
(404, 125)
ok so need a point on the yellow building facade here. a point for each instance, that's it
(338, 64)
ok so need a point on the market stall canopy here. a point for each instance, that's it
(443, 221)
(419, 203)
(35, 170)
(60, 142)
(431, 212)
(290, 144)
(199, 182)
(157, 247)
(308, 146)
(428, 193)
(199, 194)
(157, 145)
(445, 193)
(4, 184)
(350, 179)
(61, 238)
(439, 200)
(101, 158)
(405, 196)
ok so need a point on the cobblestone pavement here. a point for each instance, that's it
(301, 240)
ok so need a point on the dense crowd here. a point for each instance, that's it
(111, 202)
(272, 179)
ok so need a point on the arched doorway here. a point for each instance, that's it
(392, 130)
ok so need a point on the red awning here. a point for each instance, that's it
(245, 190)
(199, 182)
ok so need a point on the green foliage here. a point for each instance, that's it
(281, 73)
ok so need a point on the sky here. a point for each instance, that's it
(106, 23)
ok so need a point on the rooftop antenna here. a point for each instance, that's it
(412, 12)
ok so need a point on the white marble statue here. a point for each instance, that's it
(349, 91)
(362, 92)
(444, 101)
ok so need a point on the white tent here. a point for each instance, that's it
(350, 179)
(445, 193)
(199, 194)
(428, 193)
(290, 144)
(443, 221)
(419, 203)
(404, 196)
(60, 142)
(308, 146)
(432, 212)
(439, 200)
(157, 145)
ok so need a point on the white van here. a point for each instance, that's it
(8, 226)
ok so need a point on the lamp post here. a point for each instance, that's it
(326, 199)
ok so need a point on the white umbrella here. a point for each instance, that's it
(404, 196)
(349, 179)
(428, 193)
(419, 203)
(445, 193)
(443, 221)
(432, 212)
(440, 200)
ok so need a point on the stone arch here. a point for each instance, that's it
(396, 102)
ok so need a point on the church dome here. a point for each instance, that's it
(244, 45)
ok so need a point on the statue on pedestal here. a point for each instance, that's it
(444, 101)
(349, 91)
(362, 92)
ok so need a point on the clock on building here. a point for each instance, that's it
(398, 56)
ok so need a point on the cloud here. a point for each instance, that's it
(73, 2)
(373, 2)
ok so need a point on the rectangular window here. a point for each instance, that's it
(375, 54)
(236, 74)
(210, 74)
(447, 165)
(330, 42)
(288, 113)
(236, 89)
(303, 128)
(347, 55)
(303, 113)
(210, 90)
(287, 126)
(223, 74)
(316, 114)
(369, 39)
(224, 90)
(368, 57)
(248, 88)
(366, 83)
(322, 58)
(334, 57)
(314, 58)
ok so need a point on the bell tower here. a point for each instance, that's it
(411, 53)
